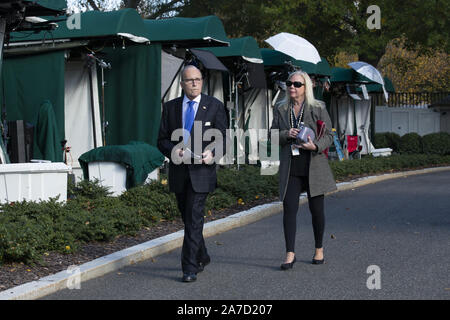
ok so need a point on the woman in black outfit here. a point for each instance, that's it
(303, 166)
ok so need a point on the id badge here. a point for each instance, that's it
(295, 151)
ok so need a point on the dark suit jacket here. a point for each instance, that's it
(210, 115)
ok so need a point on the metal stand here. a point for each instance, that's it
(103, 65)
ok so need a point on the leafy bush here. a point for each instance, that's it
(153, 201)
(436, 143)
(247, 183)
(219, 199)
(28, 229)
(87, 189)
(411, 143)
(380, 140)
(387, 140)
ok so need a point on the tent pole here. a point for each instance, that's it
(3, 115)
(2, 39)
(236, 120)
(173, 80)
(92, 104)
(103, 109)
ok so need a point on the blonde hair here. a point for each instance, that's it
(309, 94)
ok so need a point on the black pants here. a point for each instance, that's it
(191, 205)
(290, 206)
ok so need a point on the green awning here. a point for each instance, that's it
(245, 47)
(347, 75)
(376, 87)
(276, 58)
(188, 32)
(308, 67)
(126, 23)
(323, 68)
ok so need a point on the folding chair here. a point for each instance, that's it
(353, 146)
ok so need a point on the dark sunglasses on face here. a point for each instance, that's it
(296, 84)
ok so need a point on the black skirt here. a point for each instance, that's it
(300, 164)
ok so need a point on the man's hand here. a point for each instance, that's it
(207, 157)
(180, 153)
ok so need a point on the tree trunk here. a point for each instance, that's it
(132, 3)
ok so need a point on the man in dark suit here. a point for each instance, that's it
(192, 169)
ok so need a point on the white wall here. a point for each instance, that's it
(405, 120)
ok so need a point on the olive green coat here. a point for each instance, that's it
(321, 178)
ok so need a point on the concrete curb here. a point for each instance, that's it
(153, 248)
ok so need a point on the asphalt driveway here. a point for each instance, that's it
(388, 240)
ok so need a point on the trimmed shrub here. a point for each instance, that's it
(387, 140)
(152, 201)
(393, 140)
(380, 140)
(411, 143)
(436, 143)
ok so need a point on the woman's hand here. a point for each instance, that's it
(293, 132)
(308, 145)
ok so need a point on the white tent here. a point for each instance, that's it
(353, 117)
(82, 112)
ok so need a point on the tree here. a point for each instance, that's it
(334, 26)
(412, 70)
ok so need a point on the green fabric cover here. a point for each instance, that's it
(46, 134)
(93, 24)
(239, 47)
(178, 28)
(132, 94)
(27, 82)
(137, 157)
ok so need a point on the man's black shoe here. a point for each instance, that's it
(189, 277)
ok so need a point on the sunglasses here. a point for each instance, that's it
(296, 84)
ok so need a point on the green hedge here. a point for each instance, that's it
(30, 229)
(436, 143)
(412, 143)
(387, 140)
(372, 165)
